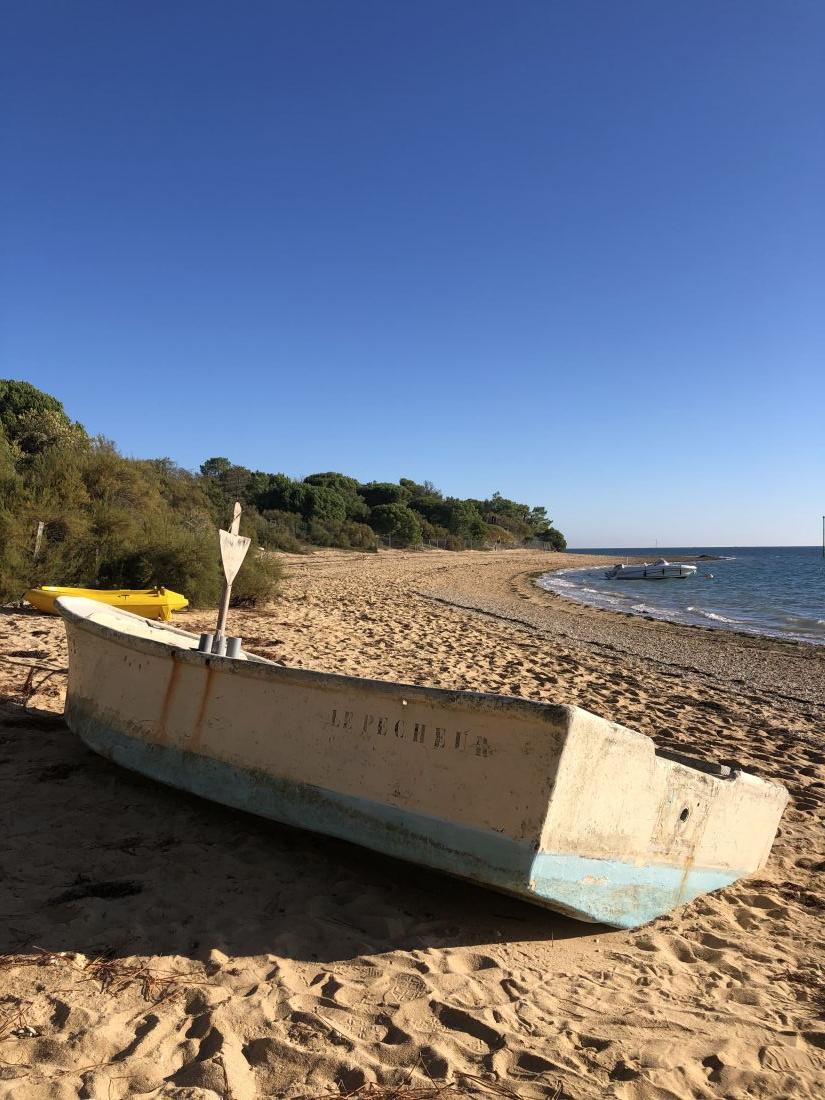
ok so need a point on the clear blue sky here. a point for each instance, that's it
(574, 252)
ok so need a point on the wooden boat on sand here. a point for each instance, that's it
(547, 802)
(151, 603)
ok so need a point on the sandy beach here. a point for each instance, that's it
(153, 944)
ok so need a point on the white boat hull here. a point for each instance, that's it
(658, 571)
(547, 802)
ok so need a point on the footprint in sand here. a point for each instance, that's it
(471, 1028)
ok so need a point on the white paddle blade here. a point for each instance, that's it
(233, 552)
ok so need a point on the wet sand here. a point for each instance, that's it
(153, 944)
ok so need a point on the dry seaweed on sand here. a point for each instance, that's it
(114, 976)
(30, 686)
(111, 975)
(434, 1090)
(14, 1020)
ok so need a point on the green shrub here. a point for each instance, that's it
(324, 506)
(555, 538)
(283, 540)
(15, 558)
(31, 419)
(398, 521)
(320, 535)
(345, 489)
(499, 535)
(358, 536)
(346, 486)
(186, 563)
(462, 518)
(283, 531)
(258, 582)
(376, 493)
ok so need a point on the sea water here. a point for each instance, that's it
(775, 590)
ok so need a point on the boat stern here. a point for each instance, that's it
(632, 833)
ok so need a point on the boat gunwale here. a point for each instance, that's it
(559, 716)
(555, 714)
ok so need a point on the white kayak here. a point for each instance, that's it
(660, 570)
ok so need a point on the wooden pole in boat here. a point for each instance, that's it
(233, 552)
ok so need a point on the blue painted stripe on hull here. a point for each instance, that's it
(607, 891)
(623, 894)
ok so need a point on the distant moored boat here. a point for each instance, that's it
(658, 571)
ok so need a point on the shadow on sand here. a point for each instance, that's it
(97, 859)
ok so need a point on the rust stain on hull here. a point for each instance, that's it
(194, 739)
(171, 685)
(681, 893)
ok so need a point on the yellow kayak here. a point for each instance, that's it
(151, 603)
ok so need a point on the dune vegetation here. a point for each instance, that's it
(113, 521)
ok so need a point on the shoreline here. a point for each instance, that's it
(748, 608)
(792, 669)
(722, 628)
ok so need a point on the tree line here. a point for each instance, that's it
(112, 521)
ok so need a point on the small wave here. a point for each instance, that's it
(712, 615)
(803, 621)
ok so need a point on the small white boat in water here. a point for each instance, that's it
(543, 801)
(660, 570)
